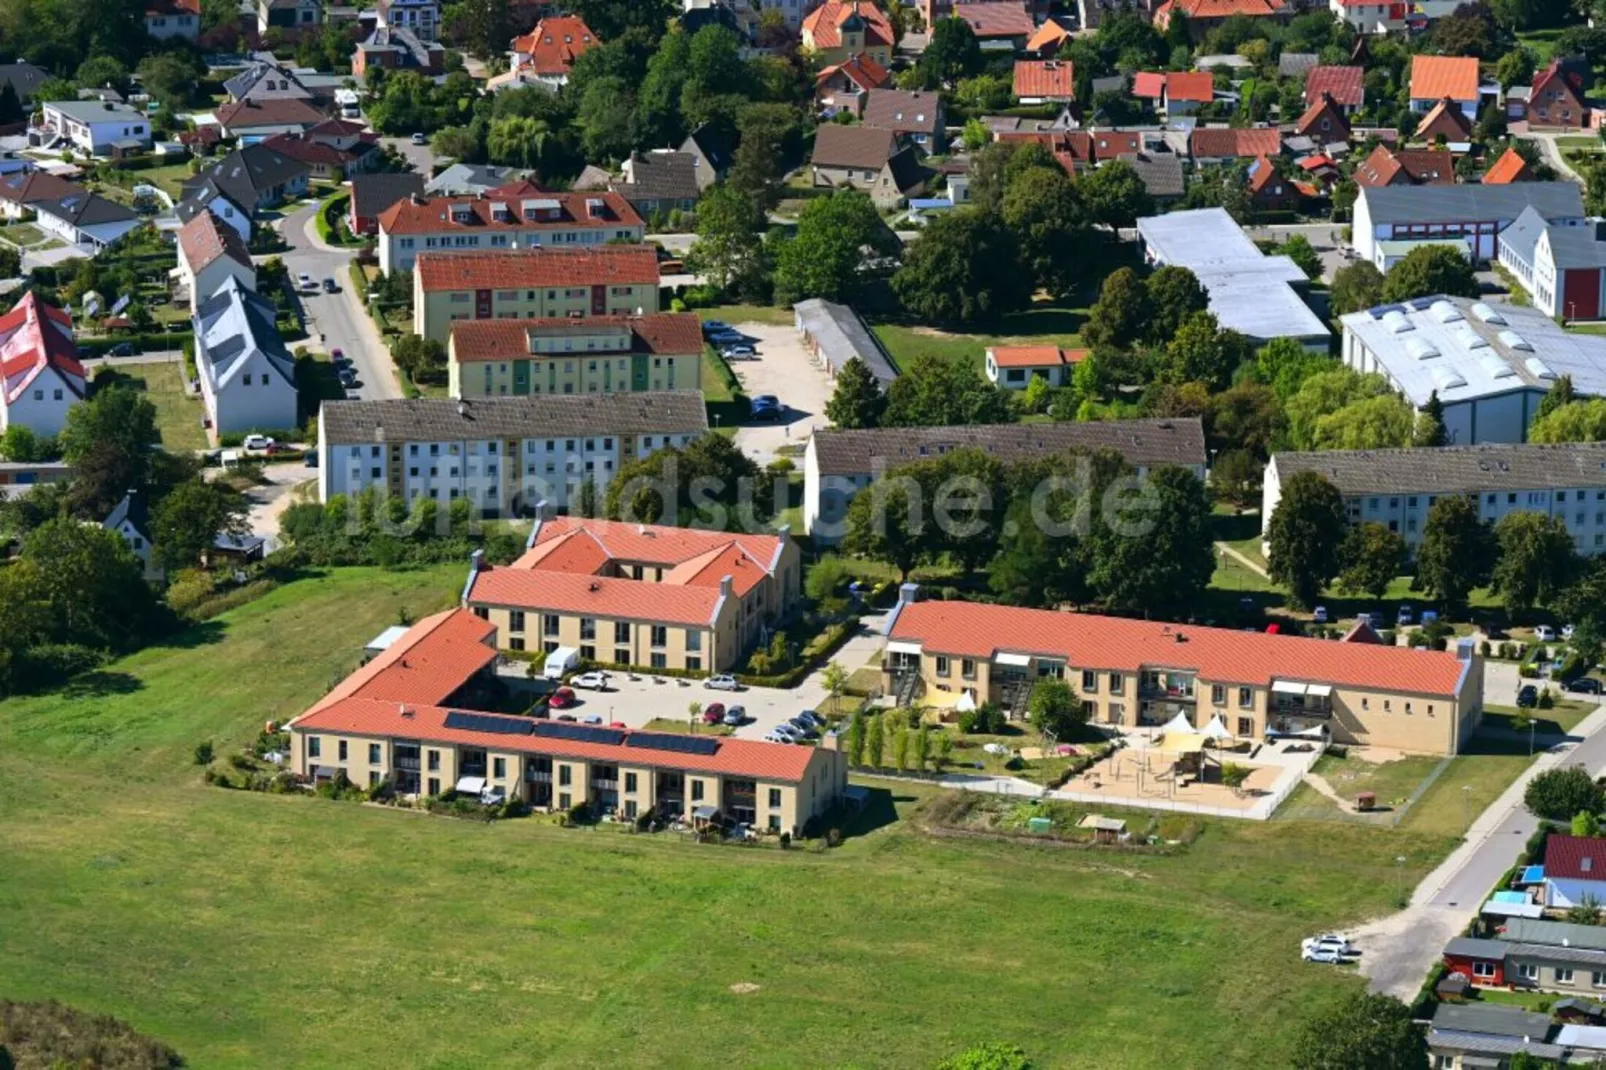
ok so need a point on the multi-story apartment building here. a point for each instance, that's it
(407, 716)
(1396, 488)
(596, 355)
(517, 216)
(609, 280)
(1141, 672)
(644, 595)
(502, 454)
(838, 463)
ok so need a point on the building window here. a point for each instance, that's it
(1218, 694)
(1117, 684)
(660, 635)
(374, 754)
(697, 791)
(967, 668)
(630, 782)
(564, 801)
(775, 798)
(499, 768)
(515, 620)
(1527, 971)
(342, 750)
(1246, 727)
(565, 775)
(1597, 979)
(434, 762)
(621, 655)
(1486, 969)
(1246, 698)
(515, 642)
(621, 631)
(694, 663)
(549, 624)
(588, 628)
(434, 786)
(588, 652)
(1090, 680)
(658, 659)
(942, 665)
(314, 747)
(1564, 975)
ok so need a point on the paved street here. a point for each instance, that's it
(1397, 951)
(338, 317)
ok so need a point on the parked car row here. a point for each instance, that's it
(800, 729)
(1331, 948)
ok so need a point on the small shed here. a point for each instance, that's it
(1105, 829)
(1453, 987)
(382, 642)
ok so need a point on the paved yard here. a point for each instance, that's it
(785, 369)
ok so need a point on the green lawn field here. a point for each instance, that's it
(251, 930)
(1044, 324)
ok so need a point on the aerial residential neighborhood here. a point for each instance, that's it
(961, 535)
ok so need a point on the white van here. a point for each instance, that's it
(563, 659)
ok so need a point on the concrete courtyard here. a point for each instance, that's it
(783, 368)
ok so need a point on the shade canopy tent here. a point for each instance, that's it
(1182, 743)
(1216, 729)
(966, 703)
(1179, 723)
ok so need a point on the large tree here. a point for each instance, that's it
(1430, 429)
(1577, 421)
(1053, 707)
(91, 586)
(963, 269)
(1043, 210)
(1114, 195)
(1122, 313)
(826, 257)
(858, 400)
(187, 521)
(709, 482)
(1429, 270)
(888, 522)
(1536, 560)
(1201, 351)
(110, 440)
(1356, 287)
(1371, 556)
(1558, 794)
(1457, 552)
(951, 53)
(1363, 1031)
(1152, 549)
(936, 391)
(1305, 534)
(611, 18)
(729, 251)
(1175, 295)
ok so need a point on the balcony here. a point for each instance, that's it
(1301, 700)
(1164, 689)
(408, 765)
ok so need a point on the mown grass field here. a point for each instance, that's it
(1043, 324)
(178, 415)
(251, 930)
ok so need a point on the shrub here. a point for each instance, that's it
(204, 753)
(241, 762)
(1558, 794)
(50, 1034)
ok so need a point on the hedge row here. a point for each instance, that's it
(142, 342)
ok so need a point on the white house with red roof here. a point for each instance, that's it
(1013, 367)
(1146, 672)
(39, 363)
(835, 31)
(166, 19)
(210, 252)
(1575, 870)
(546, 54)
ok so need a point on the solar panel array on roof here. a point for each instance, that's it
(671, 742)
(484, 722)
(580, 733)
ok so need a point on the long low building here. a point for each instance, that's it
(1490, 366)
(1396, 488)
(1139, 672)
(595, 355)
(1533, 953)
(1474, 211)
(838, 463)
(411, 716)
(645, 596)
(835, 334)
(502, 454)
(1250, 292)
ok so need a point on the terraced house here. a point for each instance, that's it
(501, 454)
(1140, 672)
(612, 280)
(643, 595)
(412, 715)
(596, 355)
(517, 216)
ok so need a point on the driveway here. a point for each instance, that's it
(1397, 951)
(269, 500)
(420, 158)
(338, 317)
(784, 369)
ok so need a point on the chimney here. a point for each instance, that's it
(908, 592)
(476, 561)
(1464, 649)
(379, 432)
(784, 536)
(724, 586)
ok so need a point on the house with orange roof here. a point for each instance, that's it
(1044, 81)
(380, 726)
(1048, 39)
(497, 357)
(517, 216)
(648, 596)
(1444, 121)
(1205, 15)
(546, 54)
(1510, 167)
(1269, 191)
(607, 280)
(1556, 100)
(1149, 86)
(835, 31)
(844, 86)
(1406, 167)
(1135, 673)
(1323, 121)
(1185, 92)
(40, 377)
(1220, 144)
(1435, 79)
(1012, 367)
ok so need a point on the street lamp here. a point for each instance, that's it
(1399, 877)
(1466, 806)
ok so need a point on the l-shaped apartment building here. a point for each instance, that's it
(410, 714)
(1139, 672)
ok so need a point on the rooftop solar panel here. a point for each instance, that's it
(579, 732)
(484, 722)
(671, 742)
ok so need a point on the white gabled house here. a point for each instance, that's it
(39, 362)
(85, 219)
(248, 378)
(131, 520)
(209, 254)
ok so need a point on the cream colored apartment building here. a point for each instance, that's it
(597, 355)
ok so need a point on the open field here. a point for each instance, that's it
(1044, 324)
(178, 416)
(248, 929)
(22, 235)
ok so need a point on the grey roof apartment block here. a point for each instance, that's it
(530, 416)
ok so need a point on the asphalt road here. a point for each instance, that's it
(420, 157)
(338, 317)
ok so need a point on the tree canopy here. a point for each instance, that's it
(1305, 536)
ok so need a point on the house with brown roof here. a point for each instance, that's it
(1556, 101)
(1510, 167)
(1446, 122)
(520, 215)
(1220, 144)
(372, 193)
(643, 595)
(209, 254)
(546, 54)
(1044, 81)
(902, 177)
(566, 355)
(1205, 15)
(850, 156)
(915, 116)
(1435, 79)
(607, 280)
(1013, 367)
(842, 86)
(1323, 121)
(1406, 167)
(379, 726)
(264, 118)
(1269, 191)
(22, 191)
(334, 149)
(1133, 673)
(834, 31)
(999, 25)
(1346, 85)
(1185, 92)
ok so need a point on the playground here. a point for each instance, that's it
(1180, 767)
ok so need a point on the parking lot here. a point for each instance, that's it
(784, 369)
(635, 702)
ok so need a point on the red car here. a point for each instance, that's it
(617, 724)
(562, 698)
(714, 713)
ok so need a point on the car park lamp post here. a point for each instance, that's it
(1399, 877)
(1466, 806)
